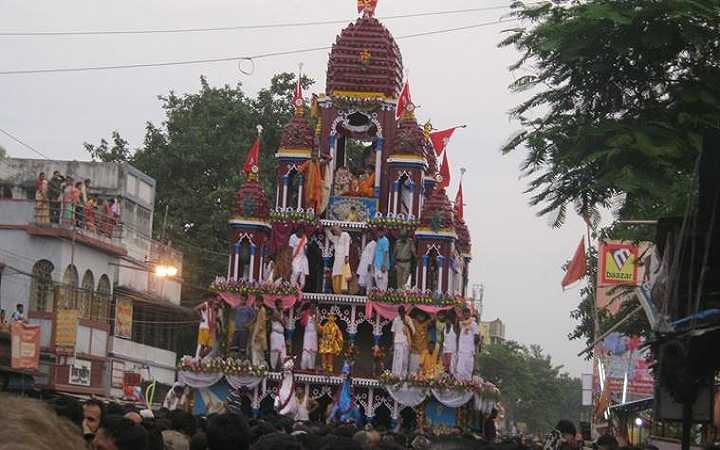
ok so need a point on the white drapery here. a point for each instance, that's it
(407, 396)
(452, 398)
(243, 381)
(484, 405)
(200, 380)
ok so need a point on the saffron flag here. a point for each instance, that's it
(366, 5)
(404, 102)
(440, 139)
(459, 211)
(25, 345)
(445, 172)
(253, 157)
(577, 267)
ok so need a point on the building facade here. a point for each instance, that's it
(97, 262)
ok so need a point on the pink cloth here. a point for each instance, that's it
(390, 311)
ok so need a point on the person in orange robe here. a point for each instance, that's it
(366, 187)
(312, 188)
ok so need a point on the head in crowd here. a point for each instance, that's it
(70, 409)
(93, 412)
(183, 422)
(567, 430)
(277, 441)
(199, 441)
(228, 432)
(120, 433)
(29, 424)
(607, 442)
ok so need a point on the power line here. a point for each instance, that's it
(235, 58)
(24, 144)
(243, 27)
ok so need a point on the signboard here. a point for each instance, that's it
(25, 348)
(123, 318)
(352, 209)
(618, 263)
(80, 372)
(66, 325)
(626, 366)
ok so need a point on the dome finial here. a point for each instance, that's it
(366, 7)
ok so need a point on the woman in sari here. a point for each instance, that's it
(69, 202)
(42, 207)
(259, 340)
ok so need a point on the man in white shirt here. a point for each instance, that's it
(300, 266)
(341, 243)
(365, 267)
(467, 343)
(402, 328)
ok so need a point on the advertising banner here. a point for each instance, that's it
(618, 263)
(25, 349)
(66, 325)
(123, 318)
(80, 372)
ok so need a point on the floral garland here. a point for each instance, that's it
(242, 287)
(414, 297)
(393, 222)
(229, 366)
(294, 215)
(484, 389)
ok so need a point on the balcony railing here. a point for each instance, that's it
(92, 223)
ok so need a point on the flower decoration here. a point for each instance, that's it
(414, 297)
(243, 287)
(481, 387)
(294, 215)
(228, 366)
(394, 222)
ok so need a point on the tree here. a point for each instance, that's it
(196, 157)
(534, 391)
(620, 93)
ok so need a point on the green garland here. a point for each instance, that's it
(484, 389)
(229, 366)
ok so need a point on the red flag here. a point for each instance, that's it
(577, 267)
(298, 94)
(366, 5)
(253, 157)
(459, 210)
(404, 102)
(445, 172)
(440, 139)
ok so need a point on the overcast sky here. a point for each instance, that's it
(457, 78)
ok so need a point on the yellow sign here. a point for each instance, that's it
(66, 325)
(123, 318)
(618, 263)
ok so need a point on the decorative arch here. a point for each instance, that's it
(86, 294)
(41, 287)
(71, 283)
(101, 300)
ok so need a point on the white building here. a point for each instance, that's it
(103, 271)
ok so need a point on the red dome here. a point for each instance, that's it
(251, 201)
(409, 138)
(437, 212)
(463, 233)
(365, 58)
(297, 134)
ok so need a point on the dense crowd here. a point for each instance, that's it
(62, 200)
(66, 424)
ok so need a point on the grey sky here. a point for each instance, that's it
(456, 78)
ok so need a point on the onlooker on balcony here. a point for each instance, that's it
(82, 197)
(68, 200)
(90, 215)
(55, 187)
(42, 207)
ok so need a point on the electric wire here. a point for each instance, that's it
(235, 58)
(246, 27)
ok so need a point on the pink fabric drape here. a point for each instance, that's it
(390, 311)
(234, 299)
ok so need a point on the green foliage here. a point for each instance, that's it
(196, 156)
(533, 390)
(619, 95)
(118, 151)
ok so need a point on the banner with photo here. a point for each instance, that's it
(123, 318)
(66, 325)
(25, 346)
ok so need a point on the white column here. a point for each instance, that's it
(441, 268)
(396, 188)
(424, 271)
(285, 189)
(300, 191)
(277, 196)
(378, 164)
(251, 272)
(261, 277)
(236, 271)
(229, 263)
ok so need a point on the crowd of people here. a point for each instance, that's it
(62, 200)
(66, 424)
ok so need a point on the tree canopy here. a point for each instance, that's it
(620, 93)
(534, 391)
(196, 156)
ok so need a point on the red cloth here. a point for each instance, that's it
(288, 301)
(403, 100)
(253, 157)
(390, 311)
(281, 232)
(440, 139)
(445, 172)
(577, 267)
(459, 210)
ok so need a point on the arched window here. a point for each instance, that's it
(86, 294)
(41, 287)
(70, 288)
(101, 300)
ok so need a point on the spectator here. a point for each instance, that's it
(607, 442)
(227, 432)
(55, 196)
(277, 441)
(70, 409)
(31, 425)
(120, 433)
(199, 441)
(93, 412)
(18, 314)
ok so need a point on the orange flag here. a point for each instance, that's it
(577, 267)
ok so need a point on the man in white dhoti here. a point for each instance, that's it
(300, 266)
(310, 341)
(278, 352)
(467, 343)
(341, 243)
(365, 267)
(402, 328)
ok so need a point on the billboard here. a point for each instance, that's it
(80, 372)
(66, 325)
(123, 318)
(25, 345)
(618, 263)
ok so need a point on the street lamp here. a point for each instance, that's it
(166, 270)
